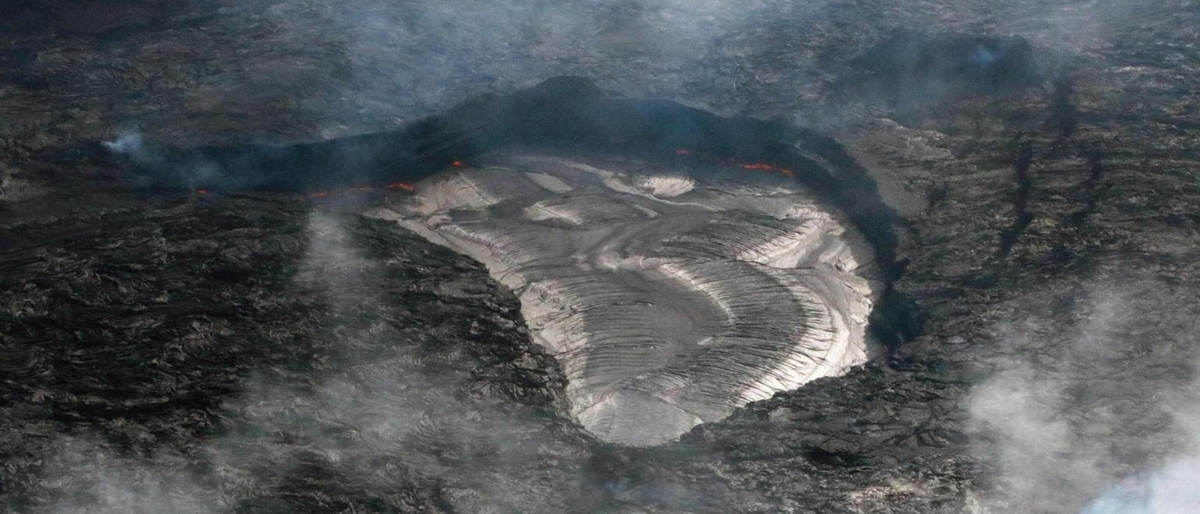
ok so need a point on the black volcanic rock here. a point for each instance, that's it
(1089, 304)
(198, 323)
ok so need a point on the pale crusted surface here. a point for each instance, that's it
(669, 300)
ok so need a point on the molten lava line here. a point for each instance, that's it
(755, 166)
(361, 189)
(762, 166)
(401, 185)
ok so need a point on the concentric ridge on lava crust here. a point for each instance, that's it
(670, 299)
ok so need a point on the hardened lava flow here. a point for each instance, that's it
(669, 298)
(677, 264)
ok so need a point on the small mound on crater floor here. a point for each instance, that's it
(911, 67)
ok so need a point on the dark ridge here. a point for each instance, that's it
(372, 159)
(97, 18)
(1064, 116)
(897, 318)
(1089, 189)
(1020, 198)
(565, 113)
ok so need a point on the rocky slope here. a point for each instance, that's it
(271, 353)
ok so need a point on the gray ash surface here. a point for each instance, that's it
(186, 352)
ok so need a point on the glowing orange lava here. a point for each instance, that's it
(757, 166)
(762, 166)
(359, 190)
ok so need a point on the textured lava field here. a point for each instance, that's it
(270, 339)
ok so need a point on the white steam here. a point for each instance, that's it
(375, 410)
(1036, 449)
(131, 145)
(101, 482)
(1056, 453)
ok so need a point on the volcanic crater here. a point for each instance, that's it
(677, 264)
